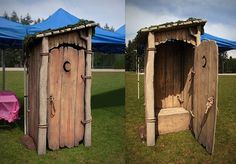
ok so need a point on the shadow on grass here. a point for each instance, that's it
(109, 99)
(106, 99)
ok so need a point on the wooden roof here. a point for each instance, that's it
(64, 29)
(175, 25)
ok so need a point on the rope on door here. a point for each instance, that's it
(209, 104)
(53, 109)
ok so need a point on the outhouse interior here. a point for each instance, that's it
(173, 68)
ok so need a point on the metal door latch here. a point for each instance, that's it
(50, 99)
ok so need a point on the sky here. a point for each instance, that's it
(220, 15)
(100, 11)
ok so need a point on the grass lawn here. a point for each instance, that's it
(108, 98)
(181, 147)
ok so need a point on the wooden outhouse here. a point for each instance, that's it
(180, 81)
(58, 87)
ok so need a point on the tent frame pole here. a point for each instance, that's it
(138, 78)
(25, 99)
(3, 70)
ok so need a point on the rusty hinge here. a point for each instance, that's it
(44, 53)
(150, 120)
(89, 51)
(42, 126)
(151, 49)
(86, 121)
(86, 77)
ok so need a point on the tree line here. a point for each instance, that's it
(26, 20)
(133, 53)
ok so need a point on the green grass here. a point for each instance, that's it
(107, 128)
(181, 147)
(111, 143)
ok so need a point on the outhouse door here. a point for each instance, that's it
(205, 93)
(65, 97)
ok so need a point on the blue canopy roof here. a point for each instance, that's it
(102, 41)
(11, 33)
(108, 41)
(60, 18)
(121, 30)
(223, 44)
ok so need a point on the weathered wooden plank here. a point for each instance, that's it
(204, 123)
(79, 110)
(178, 34)
(33, 109)
(36, 84)
(54, 90)
(43, 99)
(203, 92)
(34, 93)
(188, 77)
(149, 109)
(30, 117)
(160, 74)
(73, 57)
(213, 85)
(65, 101)
(169, 77)
(68, 38)
(177, 73)
(163, 77)
(157, 84)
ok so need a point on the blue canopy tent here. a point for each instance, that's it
(121, 30)
(102, 41)
(60, 18)
(11, 35)
(223, 44)
(108, 41)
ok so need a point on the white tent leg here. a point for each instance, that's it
(3, 71)
(25, 100)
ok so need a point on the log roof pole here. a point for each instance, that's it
(88, 116)
(149, 91)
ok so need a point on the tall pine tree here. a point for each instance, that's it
(14, 17)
